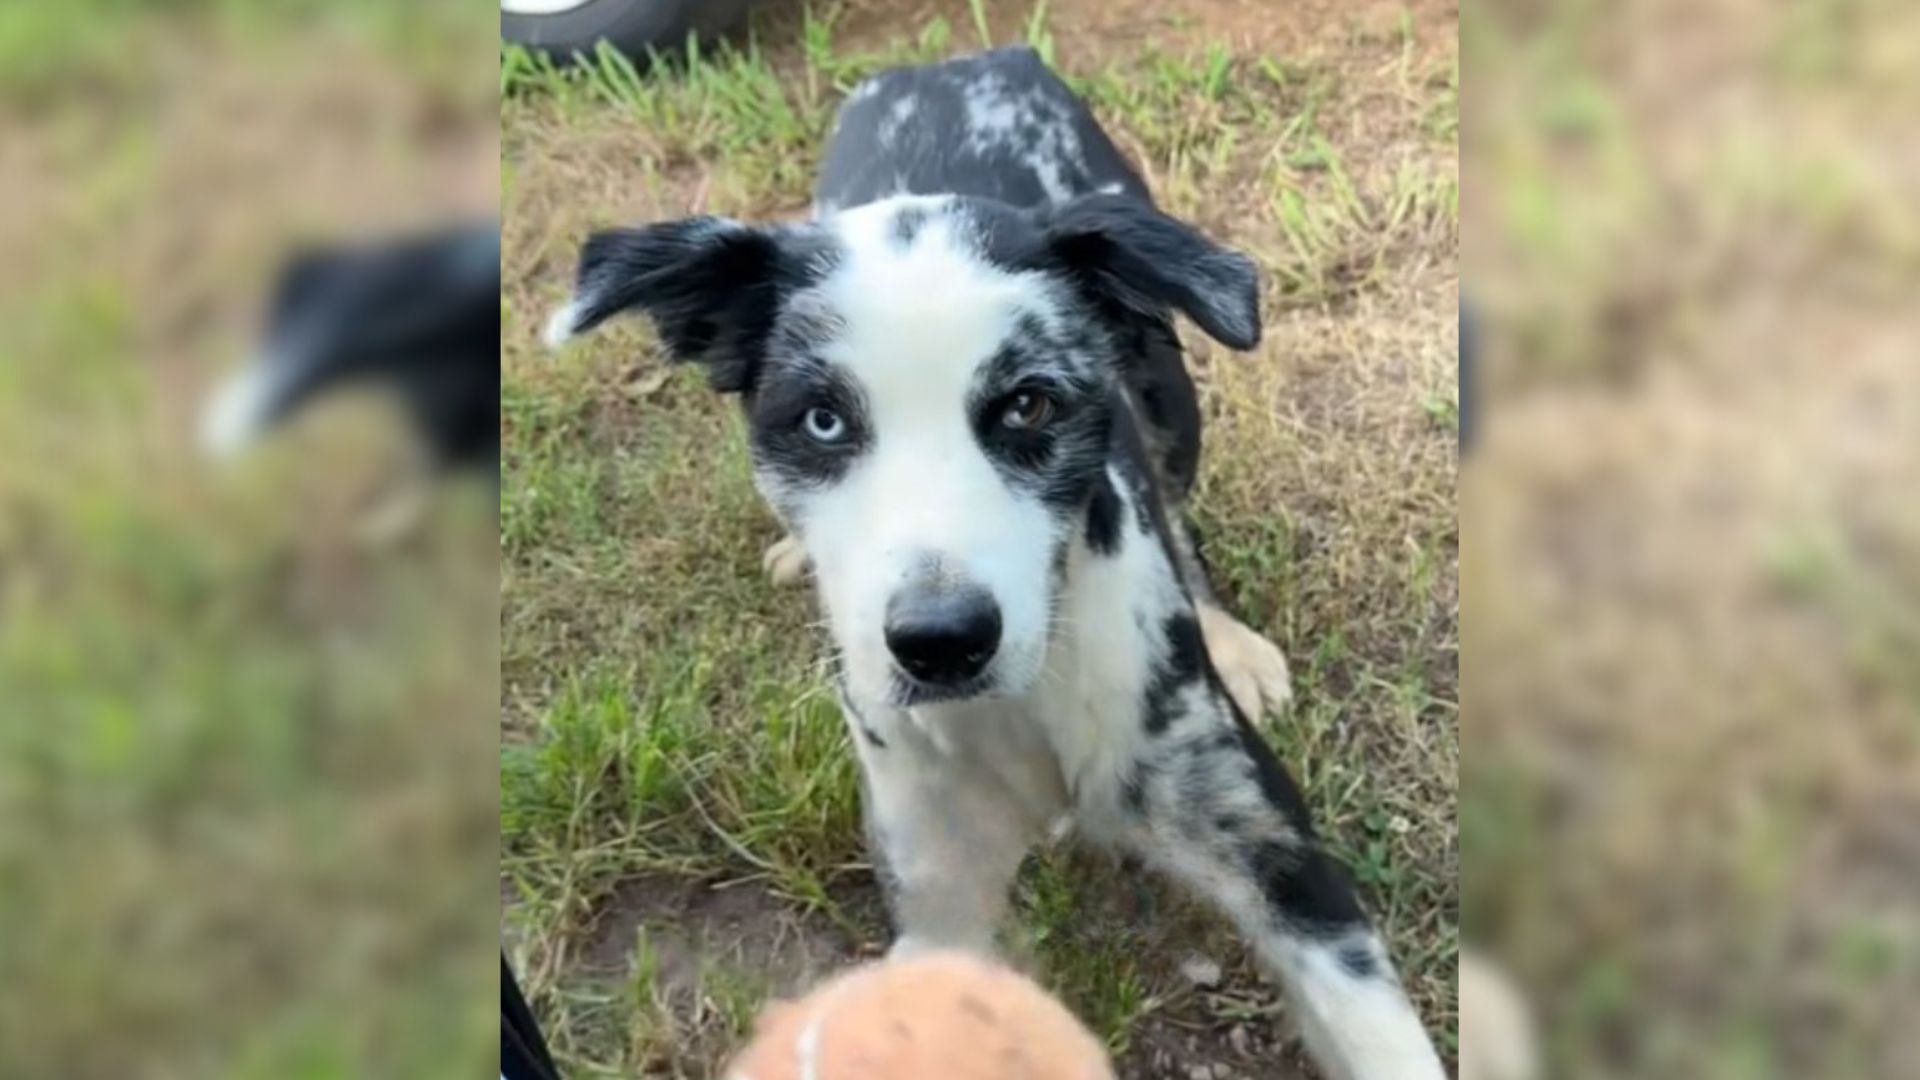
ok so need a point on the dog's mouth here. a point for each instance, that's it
(909, 691)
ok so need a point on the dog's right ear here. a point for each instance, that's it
(1126, 250)
(711, 286)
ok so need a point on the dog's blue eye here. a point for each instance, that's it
(824, 425)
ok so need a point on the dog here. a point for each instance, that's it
(417, 316)
(965, 401)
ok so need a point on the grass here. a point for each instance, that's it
(664, 717)
(47, 51)
(242, 796)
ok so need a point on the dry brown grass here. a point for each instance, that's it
(1695, 572)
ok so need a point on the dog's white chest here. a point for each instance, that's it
(1002, 745)
(1091, 696)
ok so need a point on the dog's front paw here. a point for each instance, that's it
(786, 562)
(1252, 668)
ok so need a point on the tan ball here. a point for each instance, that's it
(934, 1017)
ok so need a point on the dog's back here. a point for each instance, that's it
(996, 125)
(1001, 125)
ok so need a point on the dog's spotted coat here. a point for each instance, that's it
(963, 393)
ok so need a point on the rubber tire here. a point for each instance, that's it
(632, 26)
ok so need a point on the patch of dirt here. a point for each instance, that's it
(1166, 1049)
(1224, 1030)
(692, 925)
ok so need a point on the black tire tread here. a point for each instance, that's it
(632, 26)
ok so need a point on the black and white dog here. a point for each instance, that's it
(966, 401)
(418, 315)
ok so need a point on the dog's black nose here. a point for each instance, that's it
(943, 637)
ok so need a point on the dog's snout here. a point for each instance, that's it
(943, 637)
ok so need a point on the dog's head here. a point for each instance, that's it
(399, 309)
(929, 386)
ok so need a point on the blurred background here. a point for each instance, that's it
(247, 799)
(1691, 675)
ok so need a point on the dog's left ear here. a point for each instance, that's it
(709, 284)
(1129, 252)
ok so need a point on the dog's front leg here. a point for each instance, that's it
(1214, 809)
(945, 841)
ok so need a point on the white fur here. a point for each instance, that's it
(1497, 1038)
(998, 120)
(561, 325)
(238, 410)
(899, 115)
(1357, 1029)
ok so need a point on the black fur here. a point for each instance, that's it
(1103, 518)
(1305, 888)
(1275, 784)
(907, 225)
(873, 153)
(419, 315)
(1184, 664)
(1126, 252)
(782, 396)
(712, 286)
(1062, 462)
(1359, 961)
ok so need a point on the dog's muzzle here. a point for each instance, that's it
(943, 638)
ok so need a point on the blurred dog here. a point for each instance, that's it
(965, 399)
(417, 317)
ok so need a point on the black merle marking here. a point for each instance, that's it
(1123, 252)
(1276, 786)
(1305, 888)
(784, 393)
(1061, 462)
(908, 223)
(938, 150)
(1128, 451)
(1359, 961)
(1103, 518)
(1184, 664)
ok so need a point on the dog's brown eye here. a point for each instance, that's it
(1028, 410)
